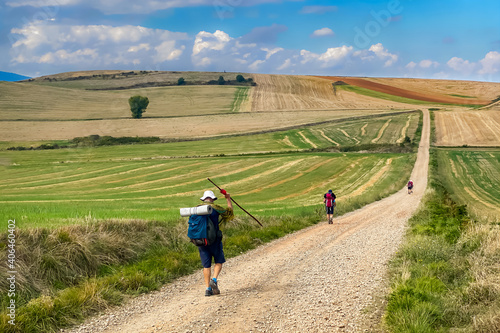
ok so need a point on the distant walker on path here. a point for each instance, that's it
(329, 201)
(410, 187)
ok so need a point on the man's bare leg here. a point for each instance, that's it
(207, 272)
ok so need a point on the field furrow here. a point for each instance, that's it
(403, 131)
(381, 132)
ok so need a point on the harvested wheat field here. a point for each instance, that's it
(435, 91)
(179, 127)
(286, 92)
(472, 128)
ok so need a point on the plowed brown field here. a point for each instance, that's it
(473, 128)
(419, 90)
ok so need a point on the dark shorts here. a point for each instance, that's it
(329, 210)
(410, 187)
(212, 251)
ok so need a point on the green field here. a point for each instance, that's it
(472, 177)
(272, 173)
(44, 193)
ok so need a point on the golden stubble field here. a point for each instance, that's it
(471, 128)
(289, 92)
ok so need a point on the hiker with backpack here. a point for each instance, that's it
(329, 201)
(410, 187)
(213, 249)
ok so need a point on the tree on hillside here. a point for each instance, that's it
(138, 105)
(240, 78)
(181, 81)
(221, 80)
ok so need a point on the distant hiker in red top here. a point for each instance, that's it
(410, 187)
(329, 205)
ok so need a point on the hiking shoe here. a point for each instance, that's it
(209, 292)
(215, 288)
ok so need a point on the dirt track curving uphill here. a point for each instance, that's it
(316, 280)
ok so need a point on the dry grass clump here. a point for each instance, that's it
(51, 260)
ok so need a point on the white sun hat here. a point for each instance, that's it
(208, 194)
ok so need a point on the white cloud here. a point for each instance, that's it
(270, 52)
(426, 63)
(208, 41)
(460, 65)
(411, 65)
(52, 43)
(490, 63)
(166, 51)
(285, 65)
(137, 48)
(323, 32)
(331, 57)
(66, 48)
(383, 54)
(255, 65)
(65, 57)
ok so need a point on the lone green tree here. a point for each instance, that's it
(138, 105)
(221, 80)
(181, 81)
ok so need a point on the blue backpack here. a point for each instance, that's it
(201, 230)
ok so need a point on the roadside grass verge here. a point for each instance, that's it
(445, 277)
(69, 273)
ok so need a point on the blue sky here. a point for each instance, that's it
(447, 39)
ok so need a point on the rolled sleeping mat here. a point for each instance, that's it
(199, 210)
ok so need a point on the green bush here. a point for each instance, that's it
(138, 105)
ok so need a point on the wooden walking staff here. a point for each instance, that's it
(236, 203)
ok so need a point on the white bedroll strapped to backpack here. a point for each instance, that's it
(199, 210)
(201, 229)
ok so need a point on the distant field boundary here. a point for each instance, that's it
(173, 84)
(274, 130)
(218, 114)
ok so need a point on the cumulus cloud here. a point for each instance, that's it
(411, 65)
(383, 54)
(64, 48)
(490, 64)
(462, 66)
(206, 40)
(96, 45)
(426, 63)
(323, 32)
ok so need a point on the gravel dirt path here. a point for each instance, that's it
(319, 279)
